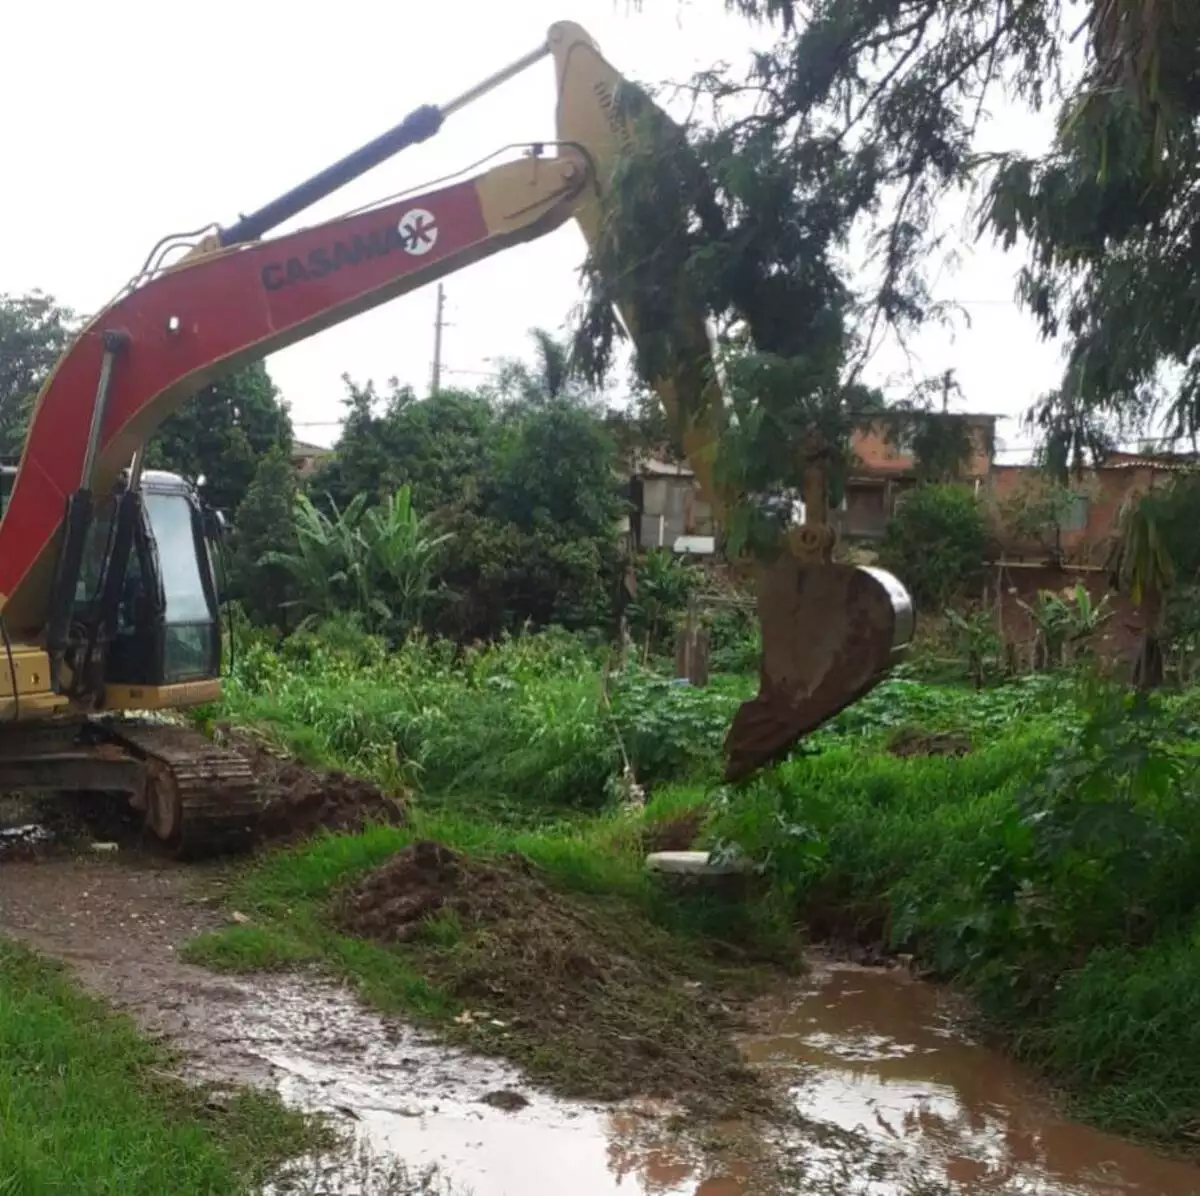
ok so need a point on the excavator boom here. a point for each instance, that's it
(170, 336)
(235, 298)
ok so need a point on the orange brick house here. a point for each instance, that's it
(1085, 533)
(884, 467)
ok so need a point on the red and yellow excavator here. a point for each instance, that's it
(109, 601)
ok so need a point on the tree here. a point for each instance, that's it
(540, 546)
(936, 543)
(738, 223)
(219, 436)
(264, 524)
(552, 377)
(1141, 561)
(437, 446)
(1112, 220)
(34, 333)
(867, 111)
(554, 467)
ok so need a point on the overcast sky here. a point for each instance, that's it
(131, 119)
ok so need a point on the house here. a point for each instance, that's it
(1086, 527)
(884, 466)
(307, 457)
(668, 507)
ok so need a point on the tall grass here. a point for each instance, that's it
(540, 719)
(1051, 871)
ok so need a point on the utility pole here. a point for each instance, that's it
(438, 324)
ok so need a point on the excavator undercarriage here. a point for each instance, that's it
(198, 799)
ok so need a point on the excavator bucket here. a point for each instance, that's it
(829, 634)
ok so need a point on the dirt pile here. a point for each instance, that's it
(590, 997)
(911, 741)
(675, 832)
(299, 801)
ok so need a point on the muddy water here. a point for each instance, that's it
(413, 1100)
(884, 1056)
(896, 1096)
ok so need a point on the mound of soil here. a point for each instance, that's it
(593, 1000)
(914, 742)
(299, 801)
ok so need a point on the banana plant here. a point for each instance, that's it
(1143, 565)
(404, 552)
(329, 563)
(377, 562)
(1064, 620)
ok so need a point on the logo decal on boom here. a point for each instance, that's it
(416, 233)
(419, 230)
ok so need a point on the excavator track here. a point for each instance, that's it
(201, 800)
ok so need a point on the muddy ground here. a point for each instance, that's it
(893, 1097)
(592, 1002)
(297, 800)
(120, 923)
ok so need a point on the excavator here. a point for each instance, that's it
(110, 607)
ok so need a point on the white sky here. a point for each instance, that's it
(135, 118)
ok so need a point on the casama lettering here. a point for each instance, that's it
(328, 259)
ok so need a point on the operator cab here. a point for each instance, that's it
(162, 602)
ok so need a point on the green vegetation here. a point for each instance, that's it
(1048, 871)
(937, 542)
(86, 1105)
(1032, 841)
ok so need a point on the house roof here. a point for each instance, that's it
(301, 449)
(1169, 461)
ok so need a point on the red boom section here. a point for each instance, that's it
(217, 312)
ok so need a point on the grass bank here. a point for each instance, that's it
(1050, 872)
(1048, 868)
(87, 1105)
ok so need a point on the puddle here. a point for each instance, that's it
(877, 1053)
(23, 839)
(417, 1101)
(898, 1102)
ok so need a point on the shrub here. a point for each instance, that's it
(936, 543)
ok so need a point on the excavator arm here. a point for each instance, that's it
(829, 631)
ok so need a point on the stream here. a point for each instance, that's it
(897, 1099)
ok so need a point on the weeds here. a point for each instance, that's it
(1050, 871)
